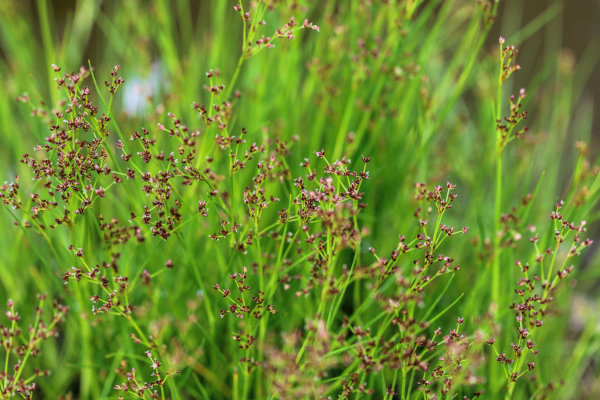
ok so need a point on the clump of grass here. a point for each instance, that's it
(258, 232)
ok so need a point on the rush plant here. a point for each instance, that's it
(289, 199)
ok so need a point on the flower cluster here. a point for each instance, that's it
(536, 287)
(245, 304)
(139, 389)
(17, 378)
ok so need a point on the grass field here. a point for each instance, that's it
(294, 199)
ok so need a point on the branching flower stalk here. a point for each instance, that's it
(18, 348)
(507, 129)
(116, 303)
(536, 292)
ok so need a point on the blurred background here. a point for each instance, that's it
(89, 30)
(574, 29)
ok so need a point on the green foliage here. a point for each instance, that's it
(230, 198)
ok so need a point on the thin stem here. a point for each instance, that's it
(498, 199)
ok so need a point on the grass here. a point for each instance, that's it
(294, 200)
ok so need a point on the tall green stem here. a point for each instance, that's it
(498, 199)
(497, 208)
